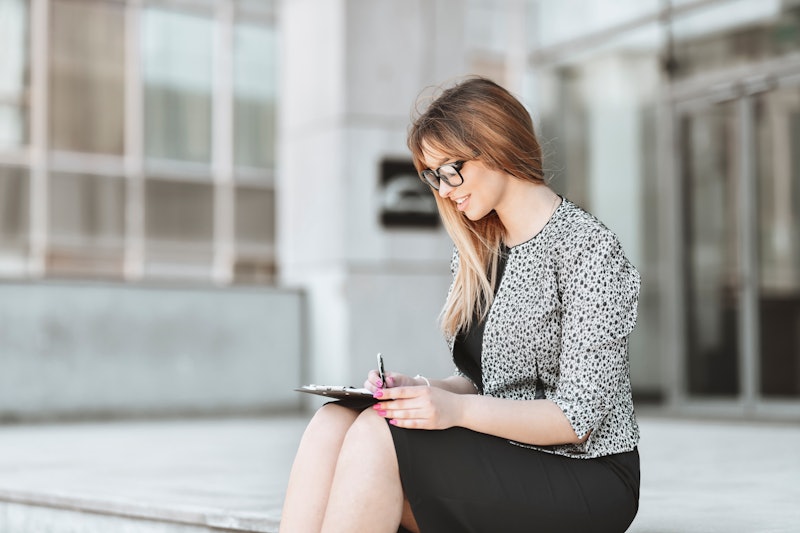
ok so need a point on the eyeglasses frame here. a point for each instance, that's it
(457, 166)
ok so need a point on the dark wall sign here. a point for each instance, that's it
(406, 202)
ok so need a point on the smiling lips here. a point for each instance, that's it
(461, 202)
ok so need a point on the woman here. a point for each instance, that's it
(536, 429)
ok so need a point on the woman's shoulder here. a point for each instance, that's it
(578, 226)
(572, 230)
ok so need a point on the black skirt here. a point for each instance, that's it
(458, 480)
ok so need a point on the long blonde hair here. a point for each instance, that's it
(476, 119)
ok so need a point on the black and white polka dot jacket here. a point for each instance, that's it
(563, 312)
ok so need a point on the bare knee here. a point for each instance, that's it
(370, 427)
(332, 419)
(336, 414)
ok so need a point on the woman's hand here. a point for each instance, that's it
(420, 407)
(394, 379)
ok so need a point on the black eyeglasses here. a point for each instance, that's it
(448, 173)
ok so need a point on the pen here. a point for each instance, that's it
(381, 372)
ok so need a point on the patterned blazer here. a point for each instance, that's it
(562, 313)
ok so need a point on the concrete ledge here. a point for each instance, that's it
(209, 474)
(81, 349)
(31, 504)
(23, 518)
(202, 476)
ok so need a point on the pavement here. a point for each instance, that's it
(196, 476)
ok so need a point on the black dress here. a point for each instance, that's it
(458, 480)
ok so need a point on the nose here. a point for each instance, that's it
(445, 189)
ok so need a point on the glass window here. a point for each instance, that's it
(255, 219)
(255, 235)
(254, 271)
(14, 208)
(14, 88)
(255, 93)
(177, 55)
(87, 210)
(87, 70)
(86, 225)
(179, 220)
(729, 34)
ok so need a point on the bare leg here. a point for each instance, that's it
(408, 521)
(366, 494)
(313, 469)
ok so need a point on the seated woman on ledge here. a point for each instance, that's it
(536, 430)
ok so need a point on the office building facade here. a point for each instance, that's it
(244, 142)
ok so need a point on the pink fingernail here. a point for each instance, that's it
(379, 383)
(378, 394)
(391, 381)
(393, 422)
(381, 412)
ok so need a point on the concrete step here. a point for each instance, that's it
(104, 518)
(203, 476)
(165, 477)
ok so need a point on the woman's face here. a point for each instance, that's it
(483, 189)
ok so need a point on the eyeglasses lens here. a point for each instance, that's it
(446, 173)
(449, 175)
(430, 178)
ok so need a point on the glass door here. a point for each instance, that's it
(708, 137)
(777, 157)
(740, 214)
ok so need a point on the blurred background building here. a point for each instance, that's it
(206, 202)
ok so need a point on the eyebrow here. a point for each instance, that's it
(443, 161)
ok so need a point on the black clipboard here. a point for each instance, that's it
(349, 396)
(337, 392)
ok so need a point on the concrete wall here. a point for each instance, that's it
(78, 349)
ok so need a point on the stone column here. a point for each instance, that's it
(351, 71)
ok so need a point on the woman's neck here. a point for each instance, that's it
(526, 210)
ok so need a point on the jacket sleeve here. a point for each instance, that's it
(599, 291)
